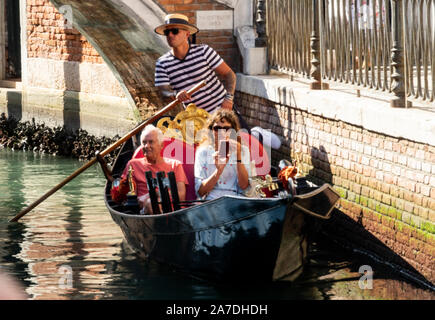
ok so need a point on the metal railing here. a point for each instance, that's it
(419, 29)
(386, 45)
(288, 35)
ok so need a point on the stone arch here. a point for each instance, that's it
(122, 31)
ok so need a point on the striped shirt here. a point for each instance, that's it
(198, 65)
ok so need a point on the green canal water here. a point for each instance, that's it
(68, 248)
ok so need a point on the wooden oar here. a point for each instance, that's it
(105, 152)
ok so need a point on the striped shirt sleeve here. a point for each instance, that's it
(161, 76)
(212, 57)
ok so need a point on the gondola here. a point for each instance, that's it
(232, 238)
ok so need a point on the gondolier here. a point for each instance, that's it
(187, 64)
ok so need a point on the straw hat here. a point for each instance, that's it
(176, 20)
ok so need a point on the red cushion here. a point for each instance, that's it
(258, 153)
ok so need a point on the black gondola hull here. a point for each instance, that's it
(230, 238)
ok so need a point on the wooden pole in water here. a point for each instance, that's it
(106, 151)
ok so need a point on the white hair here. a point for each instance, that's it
(149, 128)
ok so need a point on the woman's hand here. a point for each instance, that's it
(242, 173)
(208, 184)
(220, 162)
(235, 147)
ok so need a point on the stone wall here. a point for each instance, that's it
(61, 58)
(65, 80)
(387, 184)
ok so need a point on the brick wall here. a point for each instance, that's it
(59, 63)
(49, 38)
(222, 41)
(387, 185)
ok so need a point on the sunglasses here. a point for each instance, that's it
(216, 128)
(173, 30)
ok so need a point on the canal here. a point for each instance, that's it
(68, 247)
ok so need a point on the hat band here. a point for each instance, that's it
(176, 21)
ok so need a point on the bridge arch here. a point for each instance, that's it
(122, 31)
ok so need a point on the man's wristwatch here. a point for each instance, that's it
(170, 94)
(229, 97)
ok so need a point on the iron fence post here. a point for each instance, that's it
(397, 57)
(315, 71)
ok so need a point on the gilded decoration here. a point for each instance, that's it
(186, 125)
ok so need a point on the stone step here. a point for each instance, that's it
(13, 84)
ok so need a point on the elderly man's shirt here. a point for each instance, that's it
(140, 166)
(198, 65)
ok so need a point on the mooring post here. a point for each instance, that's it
(397, 57)
(315, 73)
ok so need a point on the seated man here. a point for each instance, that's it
(152, 144)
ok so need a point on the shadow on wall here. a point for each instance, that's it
(14, 106)
(71, 99)
(321, 167)
(351, 234)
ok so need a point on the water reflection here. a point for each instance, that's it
(334, 276)
(73, 229)
(12, 199)
(79, 235)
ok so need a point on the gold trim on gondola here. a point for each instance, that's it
(259, 183)
(186, 125)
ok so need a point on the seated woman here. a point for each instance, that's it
(222, 163)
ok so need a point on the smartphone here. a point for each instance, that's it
(224, 149)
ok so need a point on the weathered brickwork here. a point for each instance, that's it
(387, 184)
(48, 37)
(222, 41)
